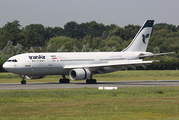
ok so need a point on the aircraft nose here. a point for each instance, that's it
(6, 66)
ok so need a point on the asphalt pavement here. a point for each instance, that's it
(56, 85)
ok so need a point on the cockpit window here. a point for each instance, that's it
(14, 60)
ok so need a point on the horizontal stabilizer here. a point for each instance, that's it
(142, 56)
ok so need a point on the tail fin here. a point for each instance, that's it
(140, 41)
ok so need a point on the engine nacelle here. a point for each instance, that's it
(35, 77)
(80, 74)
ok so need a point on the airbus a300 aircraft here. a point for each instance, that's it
(83, 65)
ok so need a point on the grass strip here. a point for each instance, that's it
(91, 103)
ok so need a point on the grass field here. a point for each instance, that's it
(116, 76)
(91, 104)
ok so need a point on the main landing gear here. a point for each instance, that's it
(64, 80)
(23, 79)
(91, 81)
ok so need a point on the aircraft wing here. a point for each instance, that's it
(142, 56)
(126, 64)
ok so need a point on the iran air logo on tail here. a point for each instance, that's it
(144, 37)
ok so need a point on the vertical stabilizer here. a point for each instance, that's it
(140, 41)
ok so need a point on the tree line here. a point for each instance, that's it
(84, 37)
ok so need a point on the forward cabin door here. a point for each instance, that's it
(28, 63)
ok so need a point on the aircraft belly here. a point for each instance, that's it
(41, 71)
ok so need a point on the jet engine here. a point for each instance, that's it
(35, 77)
(80, 74)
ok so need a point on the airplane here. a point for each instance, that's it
(83, 65)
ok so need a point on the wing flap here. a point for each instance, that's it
(130, 63)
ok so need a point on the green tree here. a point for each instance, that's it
(5, 38)
(18, 49)
(85, 40)
(96, 50)
(58, 31)
(13, 28)
(57, 42)
(113, 49)
(38, 29)
(115, 41)
(71, 29)
(62, 49)
(132, 30)
(86, 48)
(156, 50)
(118, 31)
(33, 39)
(105, 34)
(96, 41)
(106, 48)
(96, 29)
(170, 28)
(49, 48)
(83, 30)
(10, 50)
(37, 49)
(75, 49)
(161, 33)
(49, 33)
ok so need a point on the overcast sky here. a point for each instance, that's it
(58, 12)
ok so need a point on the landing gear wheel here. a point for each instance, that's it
(94, 81)
(23, 82)
(91, 81)
(64, 81)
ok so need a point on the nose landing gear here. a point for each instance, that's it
(23, 79)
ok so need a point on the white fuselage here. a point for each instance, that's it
(53, 63)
